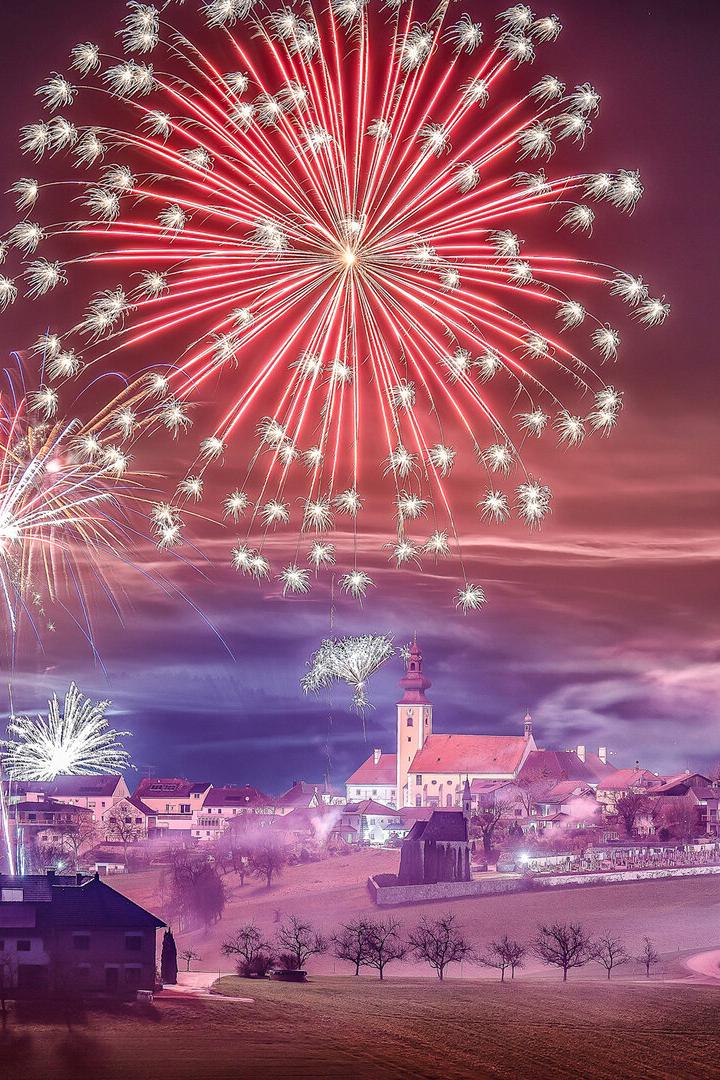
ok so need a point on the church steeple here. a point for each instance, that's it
(528, 725)
(413, 682)
(414, 725)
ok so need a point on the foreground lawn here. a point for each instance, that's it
(347, 1029)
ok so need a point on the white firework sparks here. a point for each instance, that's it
(74, 738)
(350, 660)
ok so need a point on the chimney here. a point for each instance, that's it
(580, 751)
(377, 754)
(50, 873)
(602, 754)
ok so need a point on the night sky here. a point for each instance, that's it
(605, 625)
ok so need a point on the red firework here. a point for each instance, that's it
(317, 210)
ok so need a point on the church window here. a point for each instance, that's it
(409, 721)
(418, 778)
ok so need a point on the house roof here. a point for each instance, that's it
(555, 765)
(236, 796)
(565, 789)
(448, 827)
(156, 787)
(93, 904)
(73, 786)
(50, 806)
(37, 888)
(487, 787)
(625, 779)
(301, 793)
(470, 753)
(370, 806)
(382, 774)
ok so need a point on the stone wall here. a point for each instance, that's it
(386, 895)
(609, 877)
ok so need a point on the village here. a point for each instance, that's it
(440, 857)
(527, 806)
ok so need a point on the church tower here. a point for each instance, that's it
(414, 720)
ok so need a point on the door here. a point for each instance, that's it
(112, 979)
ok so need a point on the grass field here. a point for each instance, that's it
(681, 915)
(347, 1029)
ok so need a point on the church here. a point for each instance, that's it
(429, 769)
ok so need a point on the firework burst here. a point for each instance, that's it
(325, 207)
(350, 660)
(72, 504)
(72, 739)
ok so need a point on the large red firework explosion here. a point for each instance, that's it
(318, 211)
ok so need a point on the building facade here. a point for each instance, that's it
(74, 935)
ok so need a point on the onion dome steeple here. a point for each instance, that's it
(413, 682)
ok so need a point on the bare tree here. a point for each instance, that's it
(351, 943)
(648, 956)
(531, 786)
(503, 954)
(629, 807)
(486, 823)
(439, 942)
(610, 952)
(75, 837)
(122, 828)
(384, 944)
(564, 945)
(269, 859)
(298, 941)
(256, 954)
(188, 955)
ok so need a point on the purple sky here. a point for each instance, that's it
(605, 624)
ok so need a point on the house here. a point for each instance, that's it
(375, 779)
(128, 820)
(306, 796)
(96, 793)
(373, 823)
(74, 935)
(623, 782)
(222, 804)
(176, 802)
(50, 823)
(697, 793)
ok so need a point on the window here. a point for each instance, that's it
(81, 942)
(185, 808)
(32, 817)
(23, 945)
(409, 721)
(418, 778)
(133, 942)
(133, 974)
(11, 896)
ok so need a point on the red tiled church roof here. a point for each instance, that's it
(470, 754)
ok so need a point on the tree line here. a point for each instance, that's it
(374, 943)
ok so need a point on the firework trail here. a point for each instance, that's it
(351, 660)
(71, 503)
(317, 212)
(73, 739)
